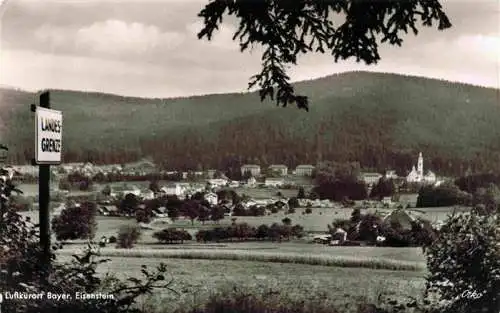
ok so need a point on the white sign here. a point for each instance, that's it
(48, 136)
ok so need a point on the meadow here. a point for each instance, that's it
(196, 280)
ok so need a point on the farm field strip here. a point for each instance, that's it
(262, 256)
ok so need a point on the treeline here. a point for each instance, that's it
(481, 191)
(229, 151)
(244, 232)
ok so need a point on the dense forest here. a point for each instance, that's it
(381, 120)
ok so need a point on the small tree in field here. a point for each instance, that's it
(173, 213)
(191, 209)
(128, 235)
(76, 222)
(217, 213)
(301, 194)
(464, 264)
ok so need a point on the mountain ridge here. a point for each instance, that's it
(368, 116)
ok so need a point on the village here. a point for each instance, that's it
(274, 192)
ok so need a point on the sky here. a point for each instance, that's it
(149, 48)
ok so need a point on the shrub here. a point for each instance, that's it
(274, 209)
(64, 184)
(144, 214)
(293, 203)
(172, 235)
(20, 203)
(308, 211)
(443, 195)
(76, 222)
(465, 258)
(112, 239)
(128, 235)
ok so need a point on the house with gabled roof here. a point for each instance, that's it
(281, 169)
(304, 170)
(252, 168)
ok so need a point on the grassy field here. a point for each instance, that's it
(195, 280)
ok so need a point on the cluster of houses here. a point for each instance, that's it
(405, 218)
(274, 175)
(182, 191)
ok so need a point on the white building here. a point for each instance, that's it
(279, 168)
(252, 168)
(147, 195)
(211, 198)
(304, 170)
(417, 173)
(274, 182)
(174, 189)
(131, 189)
(391, 174)
(251, 182)
(26, 170)
(217, 182)
(370, 178)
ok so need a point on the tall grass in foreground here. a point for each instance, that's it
(269, 301)
(266, 256)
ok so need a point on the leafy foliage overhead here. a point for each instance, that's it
(286, 29)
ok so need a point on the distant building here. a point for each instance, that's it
(252, 168)
(370, 178)
(391, 174)
(108, 168)
(251, 182)
(217, 182)
(147, 195)
(274, 182)
(279, 168)
(126, 189)
(26, 170)
(72, 167)
(211, 173)
(173, 190)
(402, 217)
(211, 197)
(304, 170)
(417, 173)
(140, 168)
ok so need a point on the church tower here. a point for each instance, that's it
(420, 166)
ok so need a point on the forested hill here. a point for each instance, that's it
(382, 120)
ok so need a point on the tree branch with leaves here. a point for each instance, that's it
(287, 29)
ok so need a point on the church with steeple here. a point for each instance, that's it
(417, 173)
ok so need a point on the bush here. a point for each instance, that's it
(64, 184)
(308, 211)
(128, 235)
(243, 231)
(76, 222)
(465, 259)
(112, 239)
(172, 235)
(443, 195)
(21, 204)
